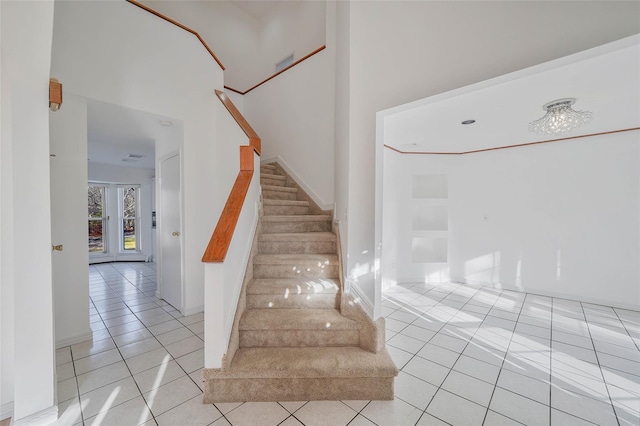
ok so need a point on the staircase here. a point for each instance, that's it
(296, 338)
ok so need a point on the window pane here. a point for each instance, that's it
(96, 239)
(96, 201)
(129, 202)
(129, 234)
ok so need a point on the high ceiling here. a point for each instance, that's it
(604, 80)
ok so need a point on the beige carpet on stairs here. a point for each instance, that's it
(296, 336)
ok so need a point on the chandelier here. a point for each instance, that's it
(560, 118)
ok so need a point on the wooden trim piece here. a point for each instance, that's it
(320, 49)
(55, 92)
(178, 24)
(254, 139)
(246, 158)
(512, 146)
(221, 239)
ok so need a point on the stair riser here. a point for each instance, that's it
(293, 271)
(293, 301)
(295, 227)
(297, 247)
(298, 389)
(279, 195)
(298, 338)
(268, 169)
(274, 182)
(285, 210)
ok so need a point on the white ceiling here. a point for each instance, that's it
(604, 80)
(114, 132)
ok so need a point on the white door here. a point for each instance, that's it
(170, 235)
(70, 257)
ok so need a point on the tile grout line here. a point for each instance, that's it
(506, 354)
(613, 408)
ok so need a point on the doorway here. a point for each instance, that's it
(170, 283)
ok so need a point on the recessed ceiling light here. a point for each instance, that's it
(468, 122)
(166, 123)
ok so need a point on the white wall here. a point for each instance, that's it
(151, 65)
(27, 365)
(68, 133)
(559, 219)
(402, 51)
(105, 173)
(293, 115)
(224, 279)
(250, 47)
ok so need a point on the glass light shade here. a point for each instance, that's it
(560, 118)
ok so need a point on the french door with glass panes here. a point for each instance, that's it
(113, 239)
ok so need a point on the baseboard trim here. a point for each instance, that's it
(194, 310)
(43, 417)
(6, 410)
(305, 187)
(558, 295)
(359, 297)
(74, 339)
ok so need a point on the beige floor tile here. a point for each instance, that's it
(158, 376)
(67, 389)
(396, 412)
(174, 336)
(131, 413)
(166, 397)
(109, 396)
(193, 361)
(185, 346)
(192, 412)
(91, 347)
(99, 377)
(257, 413)
(64, 371)
(320, 413)
(139, 348)
(148, 360)
(99, 360)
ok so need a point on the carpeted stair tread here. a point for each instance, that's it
(297, 203)
(273, 176)
(297, 259)
(298, 236)
(293, 286)
(296, 319)
(311, 362)
(279, 188)
(297, 218)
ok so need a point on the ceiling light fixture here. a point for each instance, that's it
(166, 123)
(560, 117)
(468, 122)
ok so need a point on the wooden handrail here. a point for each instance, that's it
(321, 48)
(220, 241)
(254, 139)
(176, 23)
(511, 146)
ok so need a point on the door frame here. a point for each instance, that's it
(160, 226)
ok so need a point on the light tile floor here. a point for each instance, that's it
(467, 356)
